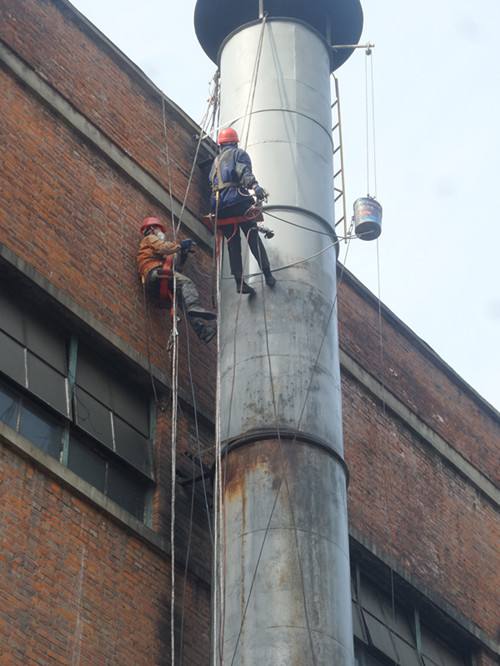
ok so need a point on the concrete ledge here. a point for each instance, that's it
(438, 444)
(101, 142)
(113, 511)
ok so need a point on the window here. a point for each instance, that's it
(388, 632)
(25, 417)
(59, 394)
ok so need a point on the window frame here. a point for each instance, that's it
(22, 392)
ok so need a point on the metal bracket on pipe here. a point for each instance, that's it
(286, 435)
(368, 46)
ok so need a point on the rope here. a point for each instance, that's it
(294, 263)
(218, 564)
(371, 138)
(191, 512)
(367, 127)
(174, 404)
(299, 226)
(175, 378)
(374, 136)
(175, 361)
(253, 82)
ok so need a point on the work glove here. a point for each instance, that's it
(260, 193)
(187, 245)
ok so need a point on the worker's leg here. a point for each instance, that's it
(191, 298)
(258, 250)
(232, 234)
(153, 283)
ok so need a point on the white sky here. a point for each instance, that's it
(437, 90)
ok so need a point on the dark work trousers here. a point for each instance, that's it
(190, 299)
(232, 234)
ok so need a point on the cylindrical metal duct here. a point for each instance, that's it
(285, 562)
(287, 132)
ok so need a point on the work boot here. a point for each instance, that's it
(202, 330)
(243, 288)
(201, 313)
(270, 279)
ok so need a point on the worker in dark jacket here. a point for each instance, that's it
(153, 250)
(231, 178)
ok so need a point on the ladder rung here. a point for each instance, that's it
(338, 173)
(337, 149)
(338, 196)
(335, 103)
(339, 221)
(335, 127)
(338, 190)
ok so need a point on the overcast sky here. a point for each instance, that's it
(437, 104)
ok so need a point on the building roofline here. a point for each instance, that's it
(119, 56)
(422, 346)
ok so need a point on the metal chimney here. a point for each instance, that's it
(285, 556)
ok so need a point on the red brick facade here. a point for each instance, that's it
(78, 586)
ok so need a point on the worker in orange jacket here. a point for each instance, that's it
(153, 249)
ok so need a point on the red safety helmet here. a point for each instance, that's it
(228, 135)
(149, 222)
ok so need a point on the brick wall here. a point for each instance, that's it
(98, 83)
(77, 589)
(418, 511)
(418, 382)
(76, 222)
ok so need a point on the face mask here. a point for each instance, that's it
(160, 235)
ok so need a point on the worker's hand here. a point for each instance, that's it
(187, 245)
(260, 193)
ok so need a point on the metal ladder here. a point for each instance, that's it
(338, 176)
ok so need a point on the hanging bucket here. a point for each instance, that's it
(367, 218)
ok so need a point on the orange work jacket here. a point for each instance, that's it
(152, 253)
